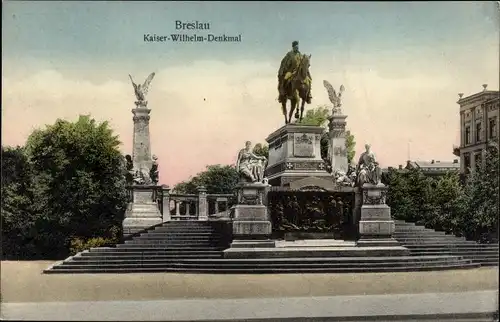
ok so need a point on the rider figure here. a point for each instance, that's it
(289, 65)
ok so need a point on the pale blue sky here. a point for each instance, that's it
(112, 32)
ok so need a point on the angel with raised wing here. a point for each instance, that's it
(334, 97)
(142, 90)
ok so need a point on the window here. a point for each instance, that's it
(478, 132)
(467, 135)
(493, 127)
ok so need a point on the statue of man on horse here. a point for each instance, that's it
(294, 82)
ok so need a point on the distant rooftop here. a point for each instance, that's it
(435, 164)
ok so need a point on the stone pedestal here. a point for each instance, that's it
(250, 221)
(294, 154)
(376, 226)
(142, 212)
(337, 142)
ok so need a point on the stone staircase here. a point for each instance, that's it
(423, 241)
(166, 243)
(197, 246)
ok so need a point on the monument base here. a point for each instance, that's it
(141, 214)
(295, 154)
(251, 221)
(376, 226)
(251, 225)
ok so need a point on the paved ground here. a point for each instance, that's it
(24, 282)
(475, 306)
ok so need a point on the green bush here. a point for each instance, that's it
(78, 244)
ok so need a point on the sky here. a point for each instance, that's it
(402, 65)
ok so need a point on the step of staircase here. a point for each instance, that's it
(280, 270)
(147, 257)
(166, 241)
(458, 252)
(154, 250)
(452, 245)
(178, 237)
(184, 230)
(423, 241)
(249, 266)
(153, 254)
(187, 234)
(422, 233)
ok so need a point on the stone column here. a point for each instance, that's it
(144, 212)
(337, 142)
(376, 226)
(202, 204)
(177, 209)
(166, 204)
(250, 220)
(216, 207)
(141, 154)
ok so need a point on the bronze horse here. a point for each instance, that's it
(295, 89)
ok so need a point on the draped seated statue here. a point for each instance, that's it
(250, 166)
(368, 170)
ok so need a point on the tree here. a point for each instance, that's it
(261, 150)
(319, 117)
(216, 179)
(409, 195)
(477, 215)
(78, 178)
(350, 146)
(17, 218)
(445, 192)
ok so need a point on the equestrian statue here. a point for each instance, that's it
(294, 82)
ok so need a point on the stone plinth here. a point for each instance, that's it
(250, 221)
(142, 212)
(376, 226)
(337, 142)
(141, 154)
(294, 154)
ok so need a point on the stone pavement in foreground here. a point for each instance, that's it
(475, 306)
(24, 282)
(28, 294)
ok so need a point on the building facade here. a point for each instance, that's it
(479, 116)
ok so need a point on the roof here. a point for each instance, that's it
(477, 95)
(435, 164)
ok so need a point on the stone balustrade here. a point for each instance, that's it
(176, 206)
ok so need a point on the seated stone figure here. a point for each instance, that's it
(141, 176)
(342, 178)
(250, 166)
(368, 170)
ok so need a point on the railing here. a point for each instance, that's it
(175, 206)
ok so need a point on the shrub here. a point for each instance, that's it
(78, 244)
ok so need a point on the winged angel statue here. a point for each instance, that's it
(334, 97)
(142, 90)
